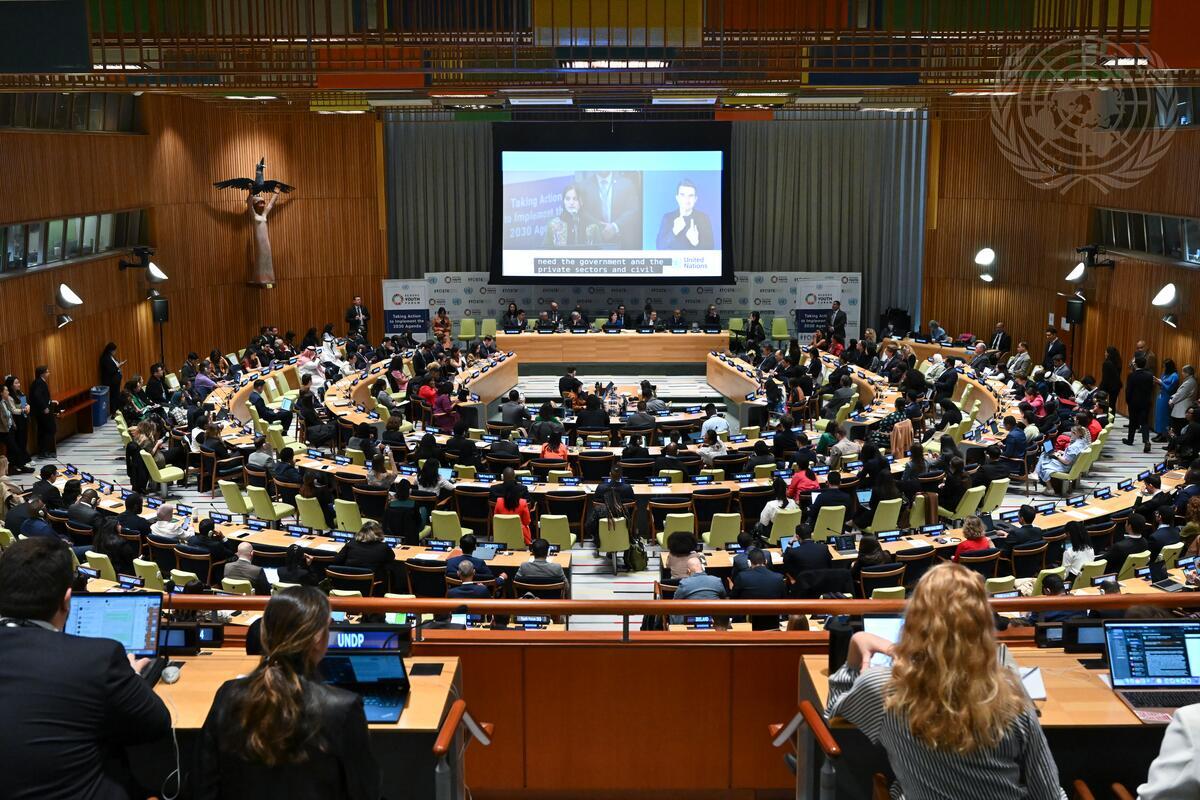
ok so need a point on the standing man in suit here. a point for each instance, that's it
(569, 383)
(836, 324)
(1054, 347)
(687, 228)
(71, 704)
(45, 412)
(357, 318)
(616, 203)
(256, 399)
(1139, 399)
(1001, 342)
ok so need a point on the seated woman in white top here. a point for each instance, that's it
(1078, 549)
(712, 447)
(952, 718)
(781, 502)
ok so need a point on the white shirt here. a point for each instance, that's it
(1175, 773)
(767, 517)
(1074, 560)
(169, 529)
(714, 423)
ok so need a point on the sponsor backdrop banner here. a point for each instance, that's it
(803, 298)
(405, 306)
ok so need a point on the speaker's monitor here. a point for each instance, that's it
(161, 308)
(1075, 310)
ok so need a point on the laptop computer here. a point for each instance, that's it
(1154, 664)
(379, 677)
(844, 544)
(487, 551)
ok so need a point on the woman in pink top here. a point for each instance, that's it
(804, 481)
(554, 447)
(1035, 401)
(973, 537)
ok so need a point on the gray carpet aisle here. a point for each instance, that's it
(592, 578)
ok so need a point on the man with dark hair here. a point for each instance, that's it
(467, 544)
(44, 411)
(1134, 541)
(33, 507)
(513, 411)
(991, 469)
(1028, 533)
(806, 554)
(45, 488)
(1139, 399)
(569, 383)
(669, 459)
(71, 704)
(131, 519)
(539, 569)
(759, 582)
(503, 446)
(1015, 445)
(617, 481)
(285, 468)
(1167, 532)
(685, 228)
(832, 495)
(272, 416)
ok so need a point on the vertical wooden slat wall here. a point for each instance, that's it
(983, 202)
(325, 236)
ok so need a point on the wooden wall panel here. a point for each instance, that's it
(326, 236)
(982, 201)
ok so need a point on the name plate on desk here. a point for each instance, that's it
(298, 530)
(1046, 508)
(569, 481)
(218, 518)
(1125, 485)
(579, 330)
(743, 477)
(125, 494)
(1160, 468)
(105, 487)
(734, 547)
(474, 397)
(86, 477)
(1143, 475)
(546, 330)
(528, 480)
(692, 410)
(440, 545)
(153, 502)
(312, 453)
(612, 330)
(485, 477)
(1010, 516)
(822, 469)
(853, 465)
(645, 330)
(512, 331)
(678, 330)
(1102, 494)
(786, 474)
(595, 445)
(373, 415)
(1076, 502)
(71, 469)
(702, 480)
(523, 442)
(890, 537)
(407, 469)
(658, 480)
(185, 511)
(341, 461)
(751, 395)
(134, 582)
(933, 530)
(712, 330)
(87, 572)
(256, 524)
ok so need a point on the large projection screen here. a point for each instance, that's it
(602, 203)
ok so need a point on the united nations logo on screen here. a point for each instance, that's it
(1084, 110)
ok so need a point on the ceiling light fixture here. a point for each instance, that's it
(986, 278)
(66, 297)
(680, 100)
(1077, 273)
(251, 97)
(556, 100)
(985, 257)
(614, 110)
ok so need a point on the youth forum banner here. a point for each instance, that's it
(405, 306)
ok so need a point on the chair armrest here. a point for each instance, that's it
(810, 716)
(1082, 792)
(1121, 793)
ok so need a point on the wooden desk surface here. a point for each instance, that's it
(1075, 697)
(626, 347)
(505, 559)
(189, 700)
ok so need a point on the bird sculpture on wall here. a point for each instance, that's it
(257, 185)
(259, 208)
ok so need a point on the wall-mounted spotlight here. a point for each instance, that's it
(986, 278)
(66, 297)
(153, 294)
(985, 257)
(1171, 320)
(153, 273)
(62, 320)
(1165, 296)
(1077, 274)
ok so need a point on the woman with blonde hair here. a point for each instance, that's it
(952, 718)
(974, 537)
(280, 731)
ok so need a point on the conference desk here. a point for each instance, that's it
(1091, 733)
(622, 347)
(404, 750)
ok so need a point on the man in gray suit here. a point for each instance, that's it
(513, 411)
(244, 570)
(83, 511)
(1183, 398)
(539, 570)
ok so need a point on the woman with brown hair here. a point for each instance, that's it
(281, 732)
(951, 716)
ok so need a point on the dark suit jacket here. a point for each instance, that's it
(1001, 342)
(39, 397)
(759, 584)
(132, 523)
(343, 768)
(829, 497)
(805, 556)
(1026, 534)
(1122, 549)
(48, 492)
(288, 473)
(668, 240)
(592, 419)
(1055, 348)
(989, 472)
(1160, 539)
(82, 514)
(70, 705)
(1139, 391)
(568, 383)
(16, 517)
(468, 590)
(482, 571)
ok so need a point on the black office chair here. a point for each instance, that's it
(880, 576)
(985, 562)
(1029, 559)
(917, 561)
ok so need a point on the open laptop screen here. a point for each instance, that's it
(1153, 654)
(385, 670)
(132, 619)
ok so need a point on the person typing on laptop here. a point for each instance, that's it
(279, 731)
(70, 703)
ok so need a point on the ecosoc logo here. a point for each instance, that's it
(488, 290)
(705, 290)
(452, 279)
(777, 279)
(810, 299)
